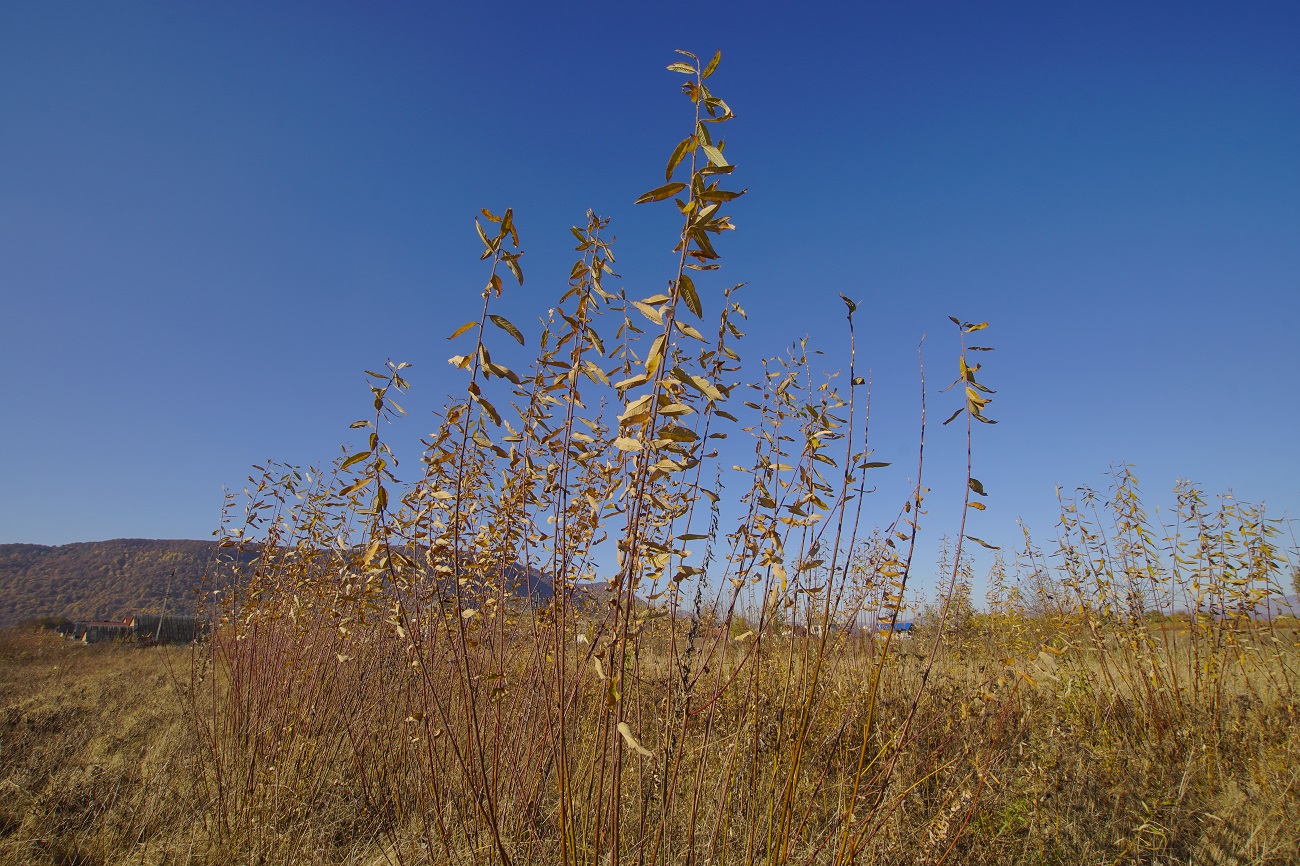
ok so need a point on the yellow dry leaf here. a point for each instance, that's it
(631, 740)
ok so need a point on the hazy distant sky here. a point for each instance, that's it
(214, 216)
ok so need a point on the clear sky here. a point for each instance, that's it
(214, 216)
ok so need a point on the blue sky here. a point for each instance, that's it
(213, 217)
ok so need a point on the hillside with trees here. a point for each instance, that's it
(101, 579)
(107, 580)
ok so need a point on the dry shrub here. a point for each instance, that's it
(390, 677)
(391, 682)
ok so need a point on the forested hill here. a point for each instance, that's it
(100, 579)
(106, 580)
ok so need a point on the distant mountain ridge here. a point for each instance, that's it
(98, 580)
(109, 580)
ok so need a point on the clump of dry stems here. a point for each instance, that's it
(390, 682)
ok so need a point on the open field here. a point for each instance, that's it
(96, 759)
(1057, 757)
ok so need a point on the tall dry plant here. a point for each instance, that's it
(567, 642)
(390, 674)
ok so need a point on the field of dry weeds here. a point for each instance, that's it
(105, 760)
(96, 763)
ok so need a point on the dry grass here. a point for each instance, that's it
(96, 764)
(1032, 762)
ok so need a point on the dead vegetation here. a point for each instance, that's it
(96, 757)
(1021, 758)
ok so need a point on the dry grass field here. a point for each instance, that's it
(96, 756)
(1054, 758)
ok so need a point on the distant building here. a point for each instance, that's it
(899, 629)
(142, 627)
(98, 632)
(164, 628)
